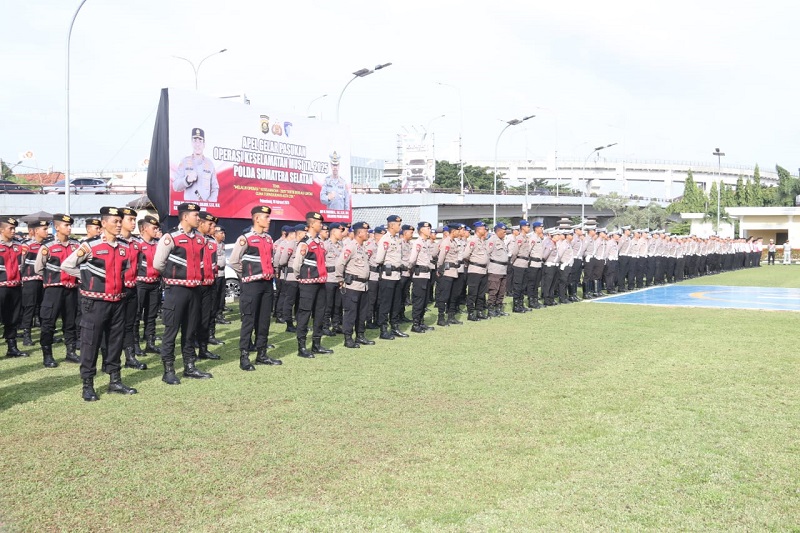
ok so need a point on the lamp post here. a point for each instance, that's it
(69, 40)
(583, 178)
(197, 68)
(719, 179)
(509, 123)
(361, 73)
(308, 109)
(460, 132)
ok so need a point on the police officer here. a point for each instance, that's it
(148, 281)
(196, 175)
(419, 265)
(10, 285)
(277, 250)
(251, 258)
(290, 285)
(31, 281)
(406, 234)
(497, 270)
(352, 266)
(60, 288)
(371, 247)
(218, 300)
(550, 268)
(565, 259)
(534, 280)
(178, 257)
(130, 341)
(334, 193)
(333, 297)
(519, 251)
(100, 262)
(447, 272)
(209, 267)
(390, 263)
(477, 257)
(312, 273)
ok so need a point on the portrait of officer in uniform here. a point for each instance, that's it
(196, 175)
(334, 193)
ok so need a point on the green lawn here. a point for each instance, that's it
(580, 417)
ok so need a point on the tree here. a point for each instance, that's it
(693, 200)
(788, 187)
(758, 200)
(739, 195)
(614, 203)
(727, 195)
(7, 173)
(475, 178)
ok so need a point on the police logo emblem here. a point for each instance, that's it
(242, 241)
(44, 250)
(81, 253)
(122, 251)
(264, 124)
(166, 240)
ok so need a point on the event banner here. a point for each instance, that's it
(228, 157)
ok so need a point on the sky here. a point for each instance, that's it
(667, 81)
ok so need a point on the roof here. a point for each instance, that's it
(42, 178)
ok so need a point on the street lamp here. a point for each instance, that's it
(69, 39)
(361, 73)
(460, 131)
(509, 123)
(308, 109)
(197, 68)
(583, 177)
(719, 179)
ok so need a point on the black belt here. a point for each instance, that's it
(289, 270)
(360, 280)
(331, 269)
(504, 263)
(452, 265)
(374, 269)
(479, 265)
(422, 269)
(535, 260)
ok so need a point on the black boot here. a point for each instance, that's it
(137, 349)
(221, 320)
(416, 328)
(328, 332)
(47, 352)
(89, 393)
(397, 333)
(361, 339)
(442, 321)
(169, 376)
(150, 346)
(191, 371)
(212, 335)
(372, 325)
(262, 359)
(290, 327)
(131, 361)
(302, 351)
(491, 313)
(451, 319)
(116, 385)
(500, 311)
(385, 334)
(316, 346)
(72, 356)
(472, 317)
(205, 354)
(337, 328)
(26, 338)
(13, 351)
(244, 361)
(350, 343)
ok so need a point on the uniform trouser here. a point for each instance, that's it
(10, 298)
(659, 275)
(670, 269)
(639, 272)
(180, 308)
(518, 281)
(496, 287)
(476, 292)
(405, 285)
(770, 259)
(59, 301)
(456, 292)
(622, 272)
(533, 283)
(563, 281)
(218, 297)
(147, 296)
(355, 308)
(462, 294)
(575, 276)
(290, 289)
(432, 288)
(205, 317)
(419, 298)
(277, 310)
(611, 274)
(510, 280)
(255, 305)
(444, 291)
(333, 304)
(130, 304)
(596, 267)
(31, 299)
(312, 299)
(101, 323)
(390, 297)
(548, 282)
(680, 265)
(651, 270)
(372, 300)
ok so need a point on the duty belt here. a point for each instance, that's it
(452, 265)
(331, 269)
(504, 263)
(374, 269)
(535, 260)
(484, 265)
(422, 269)
(360, 280)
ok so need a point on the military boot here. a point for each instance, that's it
(302, 351)
(212, 335)
(290, 327)
(169, 376)
(385, 334)
(491, 312)
(115, 385)
(350, 343)
(452, 320)
(222, 320)
(131, 361)
(397, 333)
(88, 392)
(442, 321)
(137, 349)
(26, 337)
(262, 359)
(72, 356)
(244, 361)
(472, 316)
(150, 346)
(13, 351)
(47, 352)
(362, 340)
(416, 328)
(499, 311)
(205, 354)
(316, 346)
(191, 371)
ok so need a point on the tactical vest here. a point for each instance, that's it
(183, 263)
(102, 275)
(144, 264)
(209, 264)
(257, 258)
(9, 265)
(29, 252)
(133, 258)
(312, 268)
(56, 253)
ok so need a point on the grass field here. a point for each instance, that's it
(579, 417)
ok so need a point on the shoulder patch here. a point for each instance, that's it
(167, 240)
(81, 253)
(385, 245)
(242, 241)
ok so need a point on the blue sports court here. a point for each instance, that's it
(765, 298)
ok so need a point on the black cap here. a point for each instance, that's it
(187, 206)
(261, 209)
(406, 227)
(219, 228)
(335, 225)
(315, 216)
(198, 133)
(127, 212)
(394, 218)
(114, 211)
(9, 220)
(94, 221)
(421, 225)
(301, 227)
(360, 225)
(60, 217)
(150, 219)
(205, 215)
(41, 223)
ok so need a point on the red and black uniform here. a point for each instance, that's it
(312, 274)
(148, 283)
(209, 273)
(101, 266)
(10, 287)
(251, 258)
(31, 283)
(60, 296)
(131, 337)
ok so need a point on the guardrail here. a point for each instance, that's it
(40, 189)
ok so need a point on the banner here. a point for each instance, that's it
(228, 157)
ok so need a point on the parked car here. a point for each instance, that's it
(232, 286)
(79, 186)
(9, 187)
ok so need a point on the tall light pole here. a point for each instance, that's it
(509, 123)
(583, 178)
(719, 179)
(197, 68)
(460, 132)
(69, 40)
(308, 109)
(361, 73)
